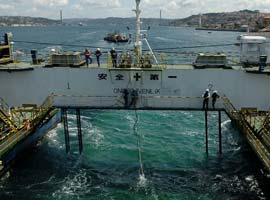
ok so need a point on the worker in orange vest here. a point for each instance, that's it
(87, 55)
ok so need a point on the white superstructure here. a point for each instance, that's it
(242, 88)
(32, 84)
(251, 48)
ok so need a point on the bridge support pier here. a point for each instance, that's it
(66, 132)
(78, 115)
(219, 132)
(206, 131)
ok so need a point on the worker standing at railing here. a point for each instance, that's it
(98, 54)
(27, 124)
(206, 96)
(215, 96)
(125, 96)
(134, 98)
(114, 57)
(87, 55)
(1, 165)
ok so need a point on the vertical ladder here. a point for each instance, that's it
(78, 115)
(66, 132)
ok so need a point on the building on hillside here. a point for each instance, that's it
(263, 21)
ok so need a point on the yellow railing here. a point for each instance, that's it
(125, 59)
(24, 117)
(230, 109)
(255, 125)
(48, 102)
(143, 102)
(7, 116)
(4, 107)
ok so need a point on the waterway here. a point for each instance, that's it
(171, 163)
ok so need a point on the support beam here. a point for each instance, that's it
(219, 132)
(78, 114)
(66, 132)
(206, 132)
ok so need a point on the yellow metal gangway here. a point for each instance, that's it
(256, 126)
(28, 118)
(5, 116)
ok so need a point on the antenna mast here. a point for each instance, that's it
(138, 42)
(61, 17)
(200, 21)
(160, 17)
(140, 37)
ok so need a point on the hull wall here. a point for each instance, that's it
(243, 89)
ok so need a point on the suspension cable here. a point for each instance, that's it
(58, 44)
(107, 48)
(127, 49)
(197, 46)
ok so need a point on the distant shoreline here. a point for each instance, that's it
(220, 29)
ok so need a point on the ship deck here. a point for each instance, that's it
(24, 66)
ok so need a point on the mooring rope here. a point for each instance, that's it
(135, 129)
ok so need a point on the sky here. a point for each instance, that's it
(122, 8)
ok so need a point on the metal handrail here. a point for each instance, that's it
(163, 58)
(229, 108)
(4, 107)
(187, 102)
(19, 122)
(48, 102)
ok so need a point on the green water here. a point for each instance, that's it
(173, 157)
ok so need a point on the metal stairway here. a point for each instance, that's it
(255, 125)
(7, 121)
(5, 116)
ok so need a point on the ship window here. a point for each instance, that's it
(253, 48)
(262, 48)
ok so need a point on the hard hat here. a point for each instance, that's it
(215, 91)
(98, 49)
(207, 90)
(112, 48)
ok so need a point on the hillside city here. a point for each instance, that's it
(255, 20)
